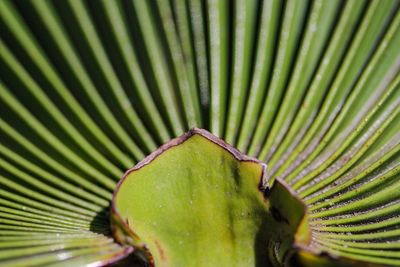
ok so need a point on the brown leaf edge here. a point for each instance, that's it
(115, 258)
(120, 228)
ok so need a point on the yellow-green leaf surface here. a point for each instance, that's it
(199, 202)
(310, 88)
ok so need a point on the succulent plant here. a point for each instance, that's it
(298, 164)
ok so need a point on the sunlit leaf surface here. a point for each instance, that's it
(89, 88)
(204, 205)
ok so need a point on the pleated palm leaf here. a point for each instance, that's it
(89, 88)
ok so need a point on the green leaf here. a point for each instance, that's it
(198, 201)
(309, 87)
